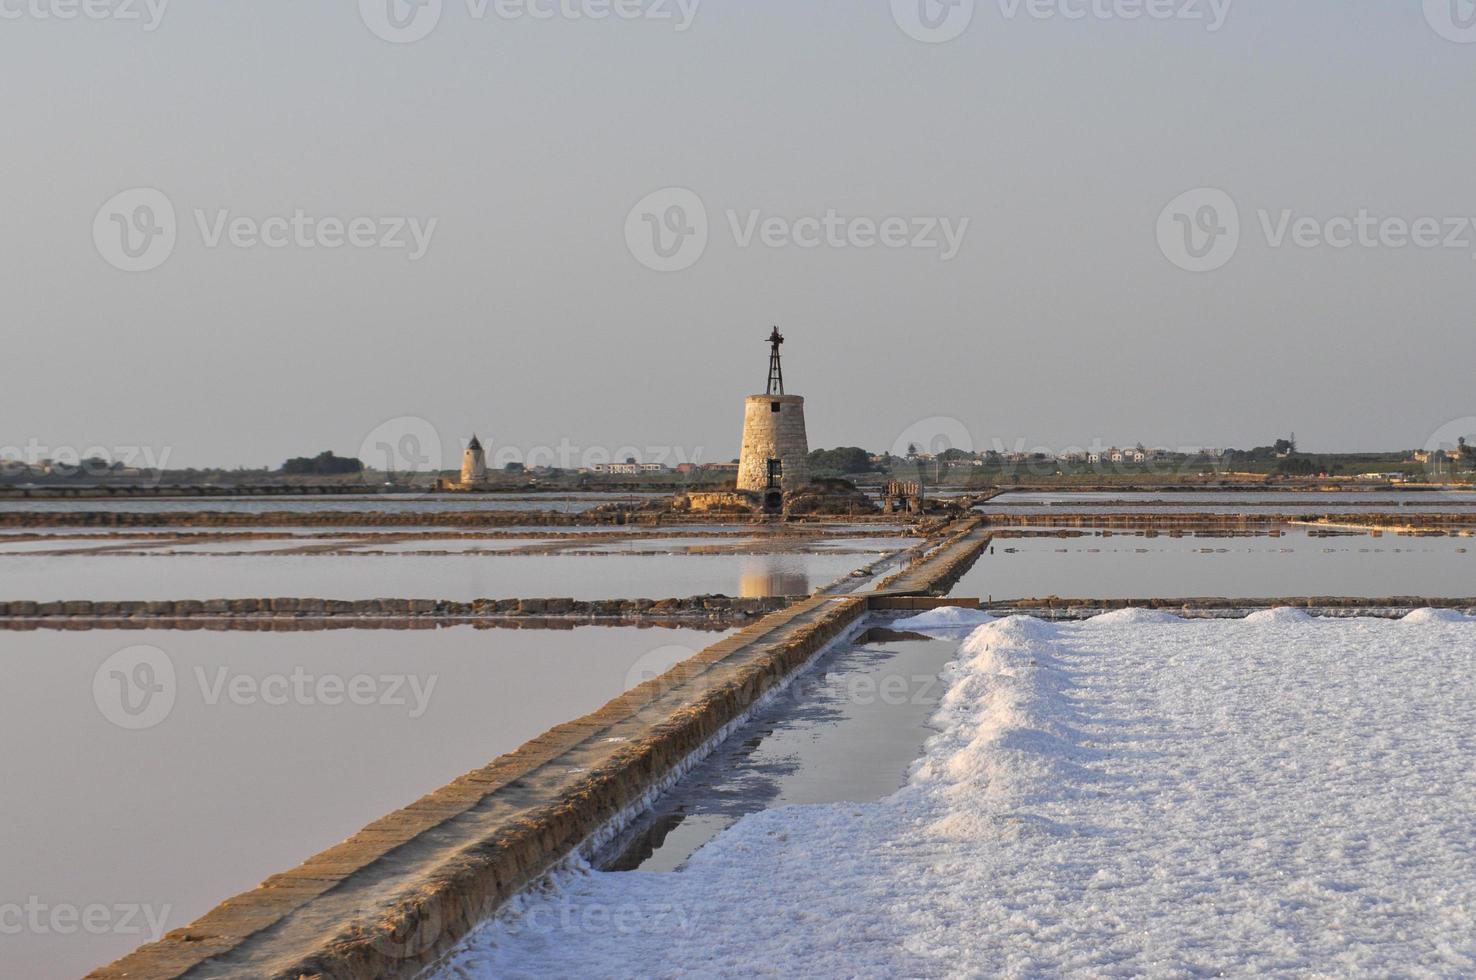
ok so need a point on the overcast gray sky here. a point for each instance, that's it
(532, 316)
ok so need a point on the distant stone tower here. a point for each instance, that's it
(473, 464)
(775, 459)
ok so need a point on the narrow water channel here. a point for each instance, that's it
(848, 730)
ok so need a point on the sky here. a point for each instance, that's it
(1040, 224)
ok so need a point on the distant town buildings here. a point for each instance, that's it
(716, 469)
(626, 469)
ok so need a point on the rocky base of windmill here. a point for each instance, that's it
(829, 498)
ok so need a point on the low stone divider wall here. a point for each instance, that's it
(940, 568)
(1461, 524)
(914, 604)
(703, 605)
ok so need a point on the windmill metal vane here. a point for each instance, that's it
(776, 372)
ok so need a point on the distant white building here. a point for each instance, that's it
(1115, 455)
(626, 469)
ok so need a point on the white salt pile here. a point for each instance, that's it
(1133, 795)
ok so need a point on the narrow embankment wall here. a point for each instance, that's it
(941, 567)
(149, 614)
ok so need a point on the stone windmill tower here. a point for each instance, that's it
(775, 457)
(474, 464)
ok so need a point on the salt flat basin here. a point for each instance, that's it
(447, 545)
(13, 547)
(753, 545)
(1124, 565)
(262, 546)
(646, 544)
(217, 796)
(1229, 502)
(462, 577)
(1134, 795)
(387, 503)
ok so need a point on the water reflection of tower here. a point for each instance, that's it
(770, 575)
